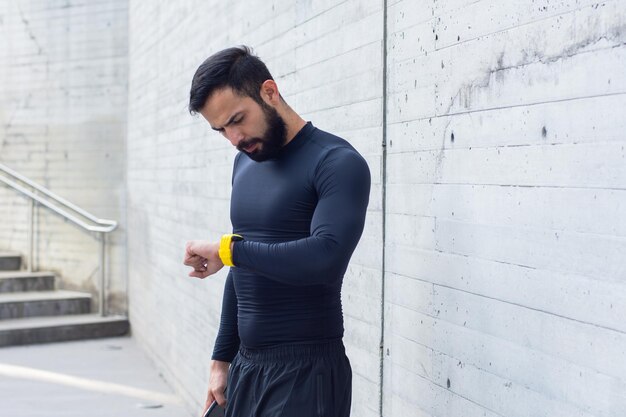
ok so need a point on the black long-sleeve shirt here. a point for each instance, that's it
(301, 215)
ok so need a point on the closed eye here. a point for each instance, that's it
(236, 119)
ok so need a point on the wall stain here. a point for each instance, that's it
(29, 31)
(614, 38)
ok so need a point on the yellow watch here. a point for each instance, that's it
(225, 253)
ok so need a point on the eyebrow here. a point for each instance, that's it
(232, 118)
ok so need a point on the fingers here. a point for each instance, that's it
(209, 401)
(219, 397)
(199, 264)
(209, 397)
(199, 274)
(198, 247)
(202, 268)
(190, 253)
(194, 260)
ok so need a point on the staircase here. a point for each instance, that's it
(33, 311)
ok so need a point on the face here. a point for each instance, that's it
(254, 129)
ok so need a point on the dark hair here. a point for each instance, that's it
(234, 67)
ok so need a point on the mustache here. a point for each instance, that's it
(244, 144)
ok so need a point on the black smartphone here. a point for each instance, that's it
(214, 410)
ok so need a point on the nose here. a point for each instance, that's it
(234, 136)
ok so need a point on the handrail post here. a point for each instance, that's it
(102, 274)
(31, 235)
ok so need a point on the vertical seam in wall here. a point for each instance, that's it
(126, 310)
(384, 214)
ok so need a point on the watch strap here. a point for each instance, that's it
(224, 251)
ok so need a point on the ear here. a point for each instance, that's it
(269, 93)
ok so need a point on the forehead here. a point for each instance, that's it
(222, 104)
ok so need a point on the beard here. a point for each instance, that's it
(272, 140)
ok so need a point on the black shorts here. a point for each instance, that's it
(305, 380)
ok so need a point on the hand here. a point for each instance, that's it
(203, 256)
(217, 384)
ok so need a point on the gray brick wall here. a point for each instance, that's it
(63, 95)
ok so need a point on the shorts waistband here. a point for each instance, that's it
(284, 353)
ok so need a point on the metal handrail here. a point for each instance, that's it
(56, 209)
(105, 226)
(74, 207)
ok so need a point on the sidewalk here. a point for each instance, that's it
(95, 378)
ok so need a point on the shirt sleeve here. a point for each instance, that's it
(342, 181)
(227, 341)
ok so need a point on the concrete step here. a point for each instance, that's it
(43, 303)
(60, 328)
(10, 261)
(18, 281)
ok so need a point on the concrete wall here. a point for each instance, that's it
(493, 257)
(63, 93)
(505, 290)
(504, 234)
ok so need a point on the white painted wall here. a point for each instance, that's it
(63, 94)
(505, 269)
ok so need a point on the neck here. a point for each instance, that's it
(294, 124)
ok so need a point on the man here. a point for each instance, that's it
(298, 207)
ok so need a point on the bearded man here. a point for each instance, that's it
(298, 205)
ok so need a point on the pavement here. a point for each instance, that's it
(96, 378)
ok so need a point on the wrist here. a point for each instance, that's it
(217, 365)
